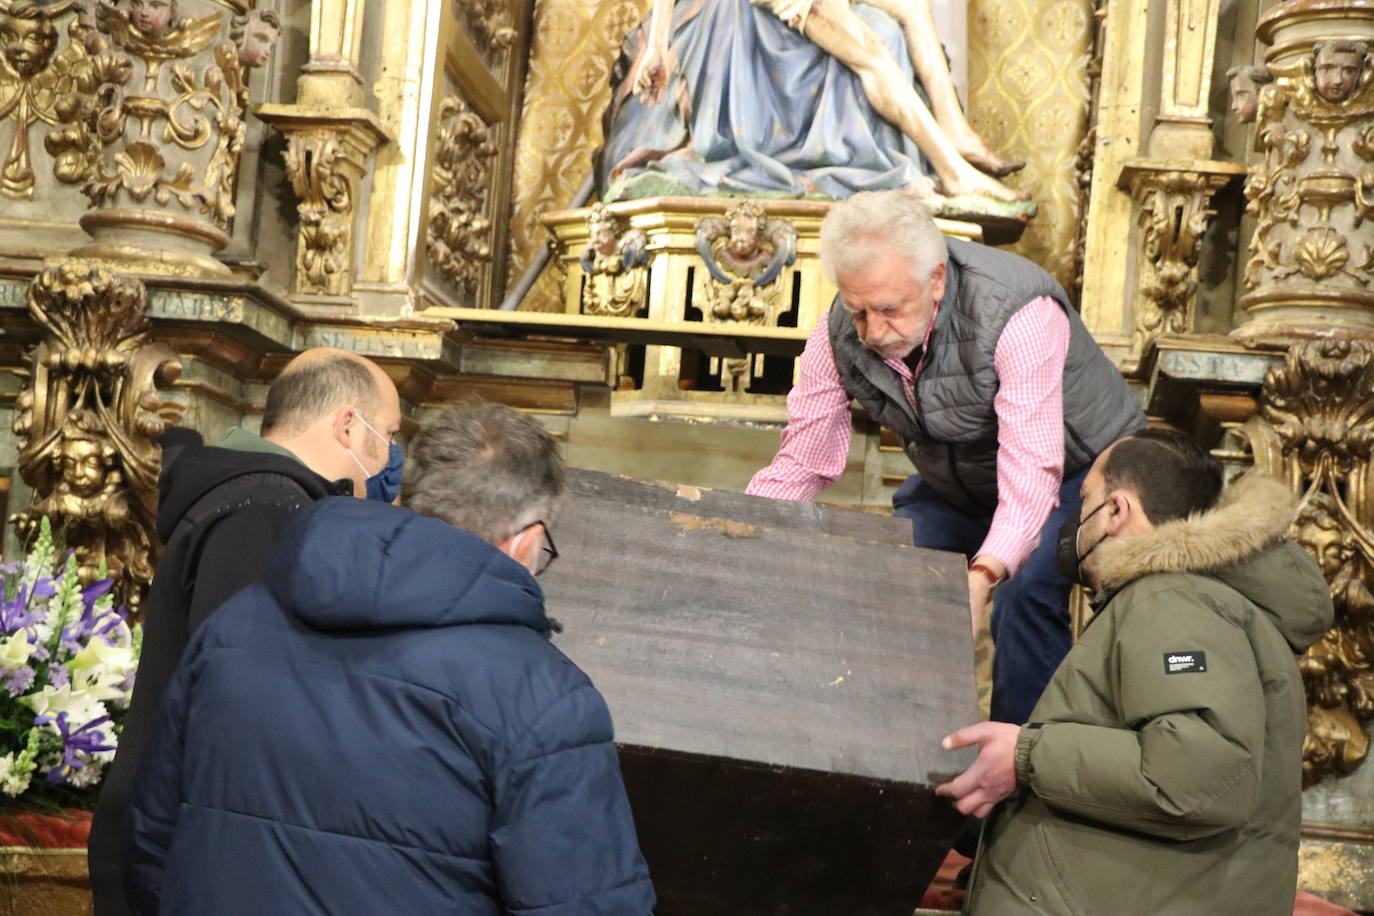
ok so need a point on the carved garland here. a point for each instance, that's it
(1173, 215)
(1313, 186)
(1315, 429)
(489, 23)
(313, 162)
(459, 235)
(40, 86)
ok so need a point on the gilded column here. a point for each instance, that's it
(165, 134)
(1311, 188)
(330, 137)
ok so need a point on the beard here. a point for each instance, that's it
(893, 346)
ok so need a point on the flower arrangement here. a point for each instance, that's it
(67, 661)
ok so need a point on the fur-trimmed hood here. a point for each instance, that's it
(1241, 541)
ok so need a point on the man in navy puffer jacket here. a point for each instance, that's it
(383, 726)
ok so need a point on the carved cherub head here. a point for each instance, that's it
(603, 230)
(83, 459)
(153, 18)
(28, 37)
(1318, 529)
(746, 224)
(255, 34)
(1245, 87)
(1337, 66)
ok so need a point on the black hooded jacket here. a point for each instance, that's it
(220, 512)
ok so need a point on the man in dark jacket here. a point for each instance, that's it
(1161, 771)
(382, 725)
(221, 510)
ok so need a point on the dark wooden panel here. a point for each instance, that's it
(779, 691)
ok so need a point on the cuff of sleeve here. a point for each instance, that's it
(1025, 743)
(1012, 550)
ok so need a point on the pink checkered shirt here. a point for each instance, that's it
(1030, 426)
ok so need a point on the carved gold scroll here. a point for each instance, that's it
(89, 418)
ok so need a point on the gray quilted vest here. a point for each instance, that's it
(952, 439)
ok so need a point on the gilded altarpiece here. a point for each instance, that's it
(474, 97)
(1028, 81)
(1310, 262)
(566, 94)
(88, 420)
(1028, 98)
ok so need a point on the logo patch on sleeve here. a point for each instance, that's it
(1191, 662)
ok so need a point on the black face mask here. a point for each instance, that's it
(1067, 558)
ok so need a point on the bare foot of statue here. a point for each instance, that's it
(969, 180)
(985, 161)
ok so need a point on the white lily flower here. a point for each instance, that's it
(115, 660)
(15, 651)
(79, 704)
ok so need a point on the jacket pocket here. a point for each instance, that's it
(1097, 871)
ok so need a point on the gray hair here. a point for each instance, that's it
(485, 468)
(301, 396)
(867, 225)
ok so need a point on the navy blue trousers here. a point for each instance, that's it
(1030, 615)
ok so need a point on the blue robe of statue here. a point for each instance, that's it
(753, 108)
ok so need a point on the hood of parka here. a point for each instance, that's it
(1242, 542)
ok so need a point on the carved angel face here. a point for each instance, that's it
(744, 234)
(601, 231)
(1244, 98)
(82, 463)
(259, 36)
(28, 44)
(1337, 72)
(152, 17)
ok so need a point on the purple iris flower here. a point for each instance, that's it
(14, 615)
(85, 740)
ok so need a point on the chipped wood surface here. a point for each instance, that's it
(780, 676)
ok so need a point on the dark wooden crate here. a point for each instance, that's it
(780, 676)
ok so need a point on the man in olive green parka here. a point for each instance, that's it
(1160, 773)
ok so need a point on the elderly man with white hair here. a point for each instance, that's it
(975, 358)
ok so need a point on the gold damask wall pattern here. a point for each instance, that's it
(1028, 98)
(566, 92)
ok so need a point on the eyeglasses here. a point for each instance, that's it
(548, 553)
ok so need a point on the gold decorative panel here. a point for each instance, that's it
(1028, 98)
(567, 90)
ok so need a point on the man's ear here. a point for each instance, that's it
(936, 285)
(1121, 511)
(341, 426)
(521, 547)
